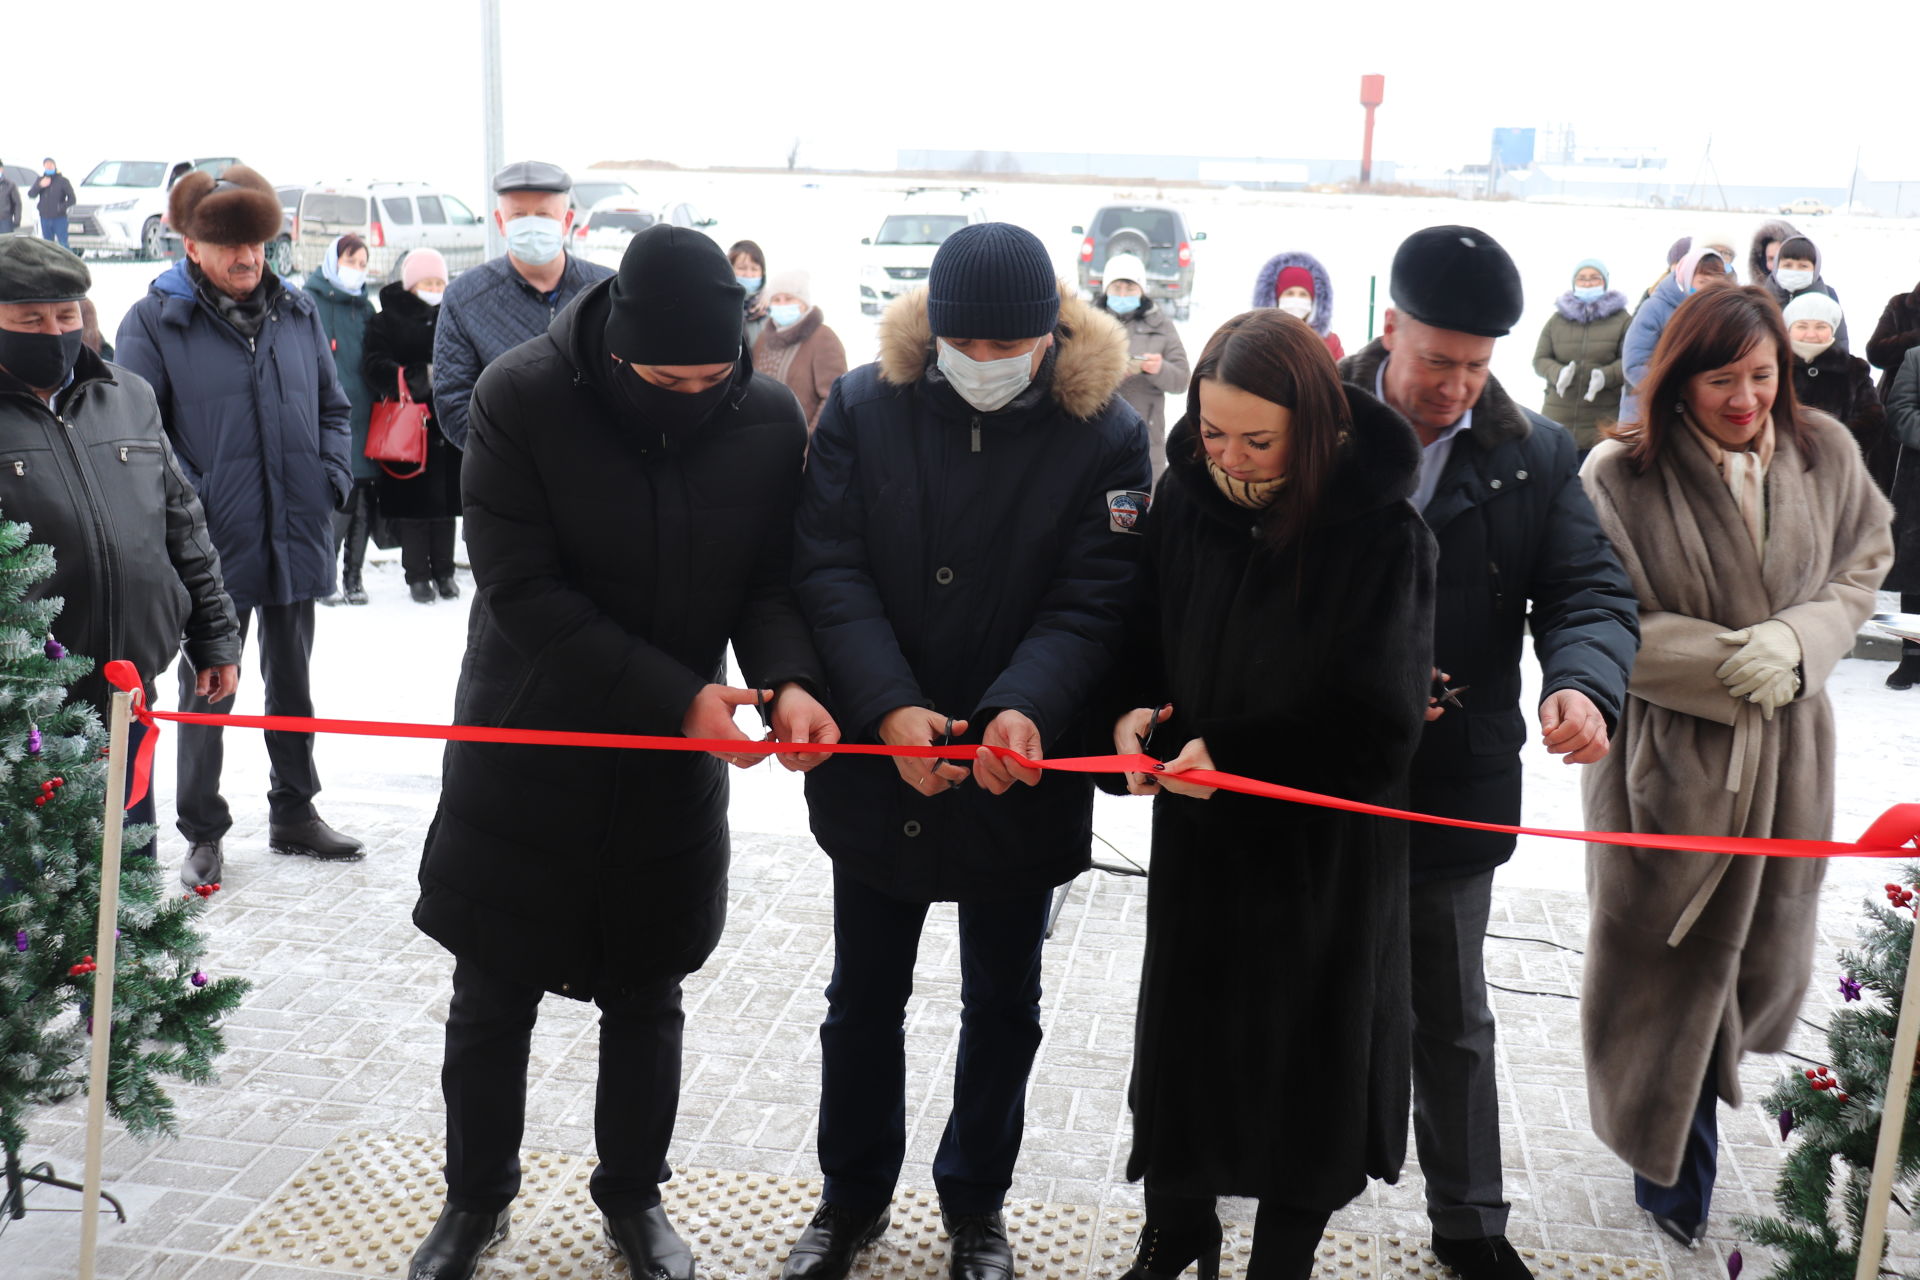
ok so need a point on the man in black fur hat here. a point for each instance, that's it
(1520, 550)
(249, 396)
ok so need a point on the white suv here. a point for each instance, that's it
(121, 206)
(900, 253)
(393, 218)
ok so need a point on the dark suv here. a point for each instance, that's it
(1154, 233)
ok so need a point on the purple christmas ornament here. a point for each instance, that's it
(1849, 987)
(55, 649)
(1734, 1264)
(20, 940)
(1786, 1123)
(199, 979)
(33, 740)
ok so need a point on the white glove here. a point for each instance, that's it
(1764, 670)
(1565, 380)
(1595, 381)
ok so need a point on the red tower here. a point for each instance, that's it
(1373, 91)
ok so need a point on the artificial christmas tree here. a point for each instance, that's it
(166, 1012)
(1834, 1111)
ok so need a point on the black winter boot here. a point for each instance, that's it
(1907, 674)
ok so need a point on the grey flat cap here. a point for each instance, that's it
(35, 270)
(532, 175)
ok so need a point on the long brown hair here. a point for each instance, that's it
(1270, 354)
(1708, 331)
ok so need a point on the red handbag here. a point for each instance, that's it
(397, 432)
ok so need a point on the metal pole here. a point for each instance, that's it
(492, 116)
(103, 945)
(1366, 153)
(1893, 1121)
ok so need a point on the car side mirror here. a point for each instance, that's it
(1199, 235)
(1079, 231)
(866, 239)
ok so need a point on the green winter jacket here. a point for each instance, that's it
(1587, 344)
(344, 317)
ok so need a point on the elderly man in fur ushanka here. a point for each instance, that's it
(250, 399)
(966, 544)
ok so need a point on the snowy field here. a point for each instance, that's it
(398, 660)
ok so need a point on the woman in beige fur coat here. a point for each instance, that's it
(1755, 540)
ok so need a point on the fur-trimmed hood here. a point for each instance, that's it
(1496, 418)
(1775, 231)
(1264, 293)
(1089, 351)
(1607, 304)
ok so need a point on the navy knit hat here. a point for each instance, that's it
(992, 280)
(1457, 278)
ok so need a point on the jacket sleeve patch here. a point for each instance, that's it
(1126, 508)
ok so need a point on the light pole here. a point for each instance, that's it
(1373, 91)
(492, 116)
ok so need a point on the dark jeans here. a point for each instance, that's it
(286, 645)
(1689, 1199)
(863, 1107)
(55, 229)
(484, 1079)
(426, 549)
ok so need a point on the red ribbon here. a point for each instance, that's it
(1895, 834)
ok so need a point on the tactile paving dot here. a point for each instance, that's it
(363, 1205)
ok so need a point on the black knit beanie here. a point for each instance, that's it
(675, 301)
(992, 280)
(1457, 278)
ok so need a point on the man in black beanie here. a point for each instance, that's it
(630, 485)
(964, 551)
(1520, 550)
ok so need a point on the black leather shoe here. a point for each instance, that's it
(977, 1245)
(452, 1249)
(1481, 1258)
(202, 865)
(650, 1245)
(447, 587)
(826, 1249)
(422, 592)
(1685, 1234)
(1906, 675)
(1163, 1254)
(314, 839)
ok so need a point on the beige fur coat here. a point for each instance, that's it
(1686, 949)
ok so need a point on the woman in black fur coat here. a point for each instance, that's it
(1288, 596)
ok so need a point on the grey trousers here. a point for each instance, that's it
(1456, 1101)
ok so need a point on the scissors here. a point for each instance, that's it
(1450, 696)
(946, 740)
(1146, 742)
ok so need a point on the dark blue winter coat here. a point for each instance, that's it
(971, 563)
(1521, 553)
(259, 426)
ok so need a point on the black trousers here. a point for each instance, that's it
(863, 1096)
(351, 525)
(285, 646)
(1909, 649)
(484, 1080)
(426, 549)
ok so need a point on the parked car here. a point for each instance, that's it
(900, 253)
(280, 251)
(24, 178)
(121, 206)
(682, 214)
(587, 196)
(393, 218)
(608, 227)
(1806, 206)
(1157, 235)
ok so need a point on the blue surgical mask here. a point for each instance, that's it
(987, 385)
(49, 171)
(750, 283)
(1589, 292)
(785, 314)
(535, 240)
(1123, 304)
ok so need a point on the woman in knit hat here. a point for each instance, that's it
(1579, 354)
(421, 505)
(1796, 273)
(1827, 377)
(795, 345)
(1703, 265)
(1302, 653)
(1157, 359)
(1297, 284)
(339, 288)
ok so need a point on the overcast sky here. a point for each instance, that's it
(393, 89)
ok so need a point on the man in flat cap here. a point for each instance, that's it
(500, 304)
(630, 488)
(245, 379)
(1520, 550)
(94, 475)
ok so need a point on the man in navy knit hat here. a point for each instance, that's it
(965, 547)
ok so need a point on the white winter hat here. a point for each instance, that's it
(1125, 266)
(1813, 306)
(794, 281)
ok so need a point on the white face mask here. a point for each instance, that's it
(429, 296)
(351, 278)
(1794, 281)
(1299, 308)
(987, 385)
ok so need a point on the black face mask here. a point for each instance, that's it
(674, 414)
(41, 360)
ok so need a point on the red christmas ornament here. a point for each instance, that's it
(206, 890)
(86, 965)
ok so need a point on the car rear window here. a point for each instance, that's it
(127, 173)
(399, 210)
(623, 219)
(1160, 226)
(919, 228)
(348, 210)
